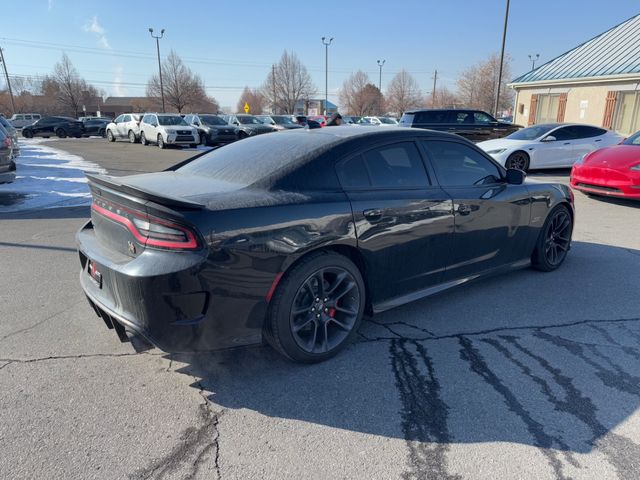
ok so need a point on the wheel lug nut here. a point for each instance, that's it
(326, 309)
(318, 315)
(326, 299)
(313, 309)
(317, 299)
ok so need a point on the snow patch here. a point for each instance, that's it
(47, 177)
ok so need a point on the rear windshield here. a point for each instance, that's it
(283, 120)
(407, 119)
(254, 159)
(248, 120)
(171, 120)
(633, 139)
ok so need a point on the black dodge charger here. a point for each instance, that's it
(293, 237)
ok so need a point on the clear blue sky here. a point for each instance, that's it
(233, 43)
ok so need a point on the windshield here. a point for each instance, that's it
(171, 120)
(266, 119)
(283, 120)
(389, 121)
(248, 120)
(212, 120)
(531, 133)
(633, 139)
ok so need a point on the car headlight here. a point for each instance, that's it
(496, 151)
(635, 168)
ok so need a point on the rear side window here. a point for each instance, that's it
(434, 116)
(127, 118)
(460, 165)
(392, 166)
(586, 131)
(462, 117)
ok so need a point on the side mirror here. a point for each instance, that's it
(236, 123)
(549, 138)
(515, 176)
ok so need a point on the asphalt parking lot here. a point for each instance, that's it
(529, 375)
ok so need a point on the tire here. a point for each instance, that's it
(326, 322)
(61, 133)
(161, 144)
(242, 135)
(518, 160)
(110, 136)
(143, 139)
(27, 134)
(102, 133)
(132, 137)
(554, 240)
(203, 140)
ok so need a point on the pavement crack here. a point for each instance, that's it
(6, 362)
(79, 356)
(366, 339)
(37, 324)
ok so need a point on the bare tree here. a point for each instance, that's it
(287, 84)
(68, 88)
(182, 87)
(254, 98)
(361, 97)
(477, 84)
(403, 93)
(444, 98)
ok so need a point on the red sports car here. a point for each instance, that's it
(611, 171)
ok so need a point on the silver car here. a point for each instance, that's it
(167, 129)
(19, 120)
(125, 126)
(13, 134)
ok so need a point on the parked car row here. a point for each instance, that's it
(9, 150)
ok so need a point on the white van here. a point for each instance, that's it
(19, 120)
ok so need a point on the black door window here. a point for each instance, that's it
(461, 118)
(564, 134)
(457, 164)
(431, 116)
(482, 118)
(393, 166)
(586, 131)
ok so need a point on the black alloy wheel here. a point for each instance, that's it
(317, 308)
(518, 160)
(61, 133)
(554, 241)
(203, 139)
(27, 134)
(102, 133)
(242, 135)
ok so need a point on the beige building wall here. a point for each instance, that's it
(585, 103)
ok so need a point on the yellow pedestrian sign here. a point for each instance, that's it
(246, 107)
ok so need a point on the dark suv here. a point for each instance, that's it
(475, 125)
(49, 126)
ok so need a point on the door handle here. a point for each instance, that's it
(464, 209)
(598, 140)
(567, 143)
(373, 214)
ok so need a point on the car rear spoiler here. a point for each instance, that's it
(168, 201)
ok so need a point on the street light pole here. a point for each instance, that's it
(504, 39)
(158, 37)
(380, 64)
(326, 44)
(533, 60)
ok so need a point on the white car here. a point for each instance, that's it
(126, 126)
(380, 121)
(167, 129)
(549, 145)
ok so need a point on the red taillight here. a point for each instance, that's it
(149, 231)
(7, 142)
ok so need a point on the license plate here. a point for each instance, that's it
(95, 275)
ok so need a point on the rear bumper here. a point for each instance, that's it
(164, 297)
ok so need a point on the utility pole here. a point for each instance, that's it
(380, 64)
(533, 60)
(273, 81)
(158, 37)
(504, 39)
(6, 75)
(326, 44)
(433, 92)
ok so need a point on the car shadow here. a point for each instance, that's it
(549, 360)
